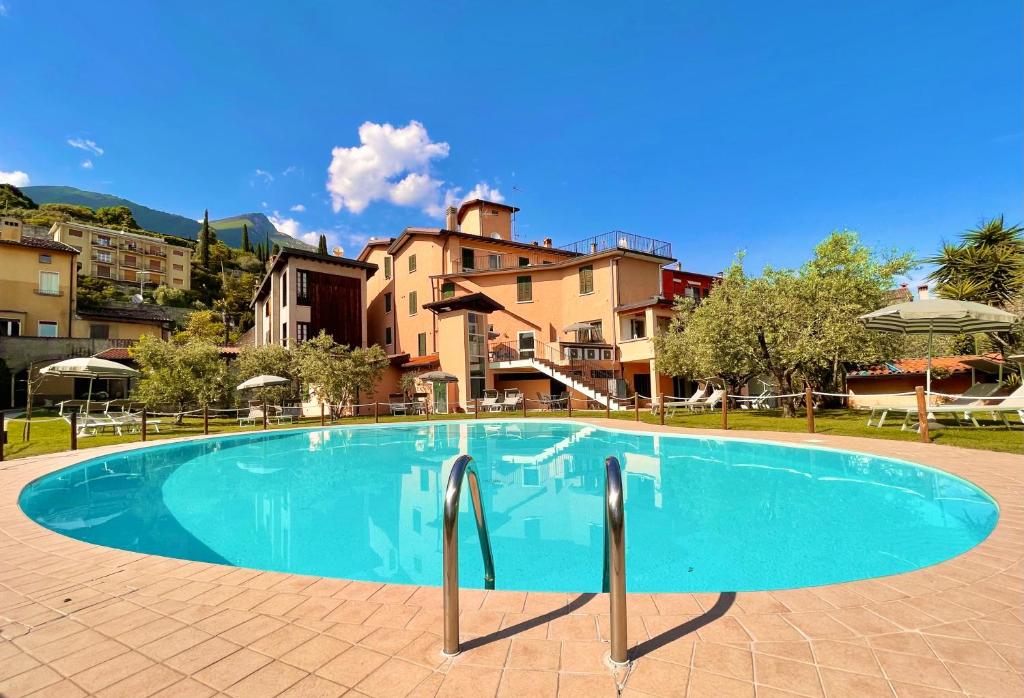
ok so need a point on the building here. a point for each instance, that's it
(677, 282)
(499, 313)
(127, 257)
(894, 383)
(37, 284)
(305, 292)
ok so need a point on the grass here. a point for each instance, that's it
(53, 436)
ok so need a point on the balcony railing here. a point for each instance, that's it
(619, 240)
(492, 262)
(103, 243)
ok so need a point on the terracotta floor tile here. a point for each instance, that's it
(523, 624)
(573, 628)
(470, 680)
(89, 657)
(536, 654)
(17, 663)
(111, 671)
(425, 650)
(314, 687)
(914, 669)
(393, 678)
(28, 681)
(252, 630)
(907, 690)
(393, 594)
(842, 684)
(704, 684)
(389, 640)
(427, 619)
(355, 612)
(50, 632)
(505, 602)
(282, 641)
(148, 681)
(279, 604)
(202, 655)
(315, 652)
(474, 622)
(971, 652)
(225, 620)
(787, 675)
(657, 678)
(985, 681)
(428, 687)
(724, 659)
(769, 628)
(61, 689)
(391, 616)
(492, 653)
(316, 607)
(846, 656)
(723, 630)
(174, 643)
(150, 632)
(357, 591)
(231, 669)
(267, 681)
(580, 657)
(520, 682)
(352, 666)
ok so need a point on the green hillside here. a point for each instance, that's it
(147, 218)
(230, 231)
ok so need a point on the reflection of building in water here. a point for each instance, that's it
(272, 518)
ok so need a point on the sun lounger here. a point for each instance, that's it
(255, 415)
(710, 402)
(977, 394)
(672, 405)
(513, 400)
(999, 408)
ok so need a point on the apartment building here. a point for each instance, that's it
(128, 257)
(37, 284)
(499, 313)
(305, 292)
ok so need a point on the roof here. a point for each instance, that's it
(150, 314)
(122, 353)
(142, 235)
(410, 232)
(902, 294)
(474, 202)
(40, 243)
(371, 243)
(645, 303)
(919, 366)
(477, 302)
(422, 361)
(286, 252)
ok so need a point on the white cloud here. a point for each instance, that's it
(298, 208)
(293, 228)
(85, 144)
(87, 164)
(16, 177)
(291, 169)
(263, 175)
(454, 196)
(390, 164)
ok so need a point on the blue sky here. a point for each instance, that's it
(718, 126)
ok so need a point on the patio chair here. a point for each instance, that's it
(710, 402)
(398, 405)
(89, 425)
(672, 405)
(1006, 405)
(255, 415)
(282, 415)
(419, 403)
(498, 405)
(975, 395)
(513, 400)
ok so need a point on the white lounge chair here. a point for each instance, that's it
(513, 400)
(999, 408)
(672, 405)
(255, 415)
(710, 402)
(974, 395)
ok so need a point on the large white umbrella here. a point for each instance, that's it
(263, 382)
(438, 377)
(938, 316)
(88, 367)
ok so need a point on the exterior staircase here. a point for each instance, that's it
(575, 375)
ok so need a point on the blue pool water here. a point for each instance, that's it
(365, 503)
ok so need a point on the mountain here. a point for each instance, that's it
(229, 230)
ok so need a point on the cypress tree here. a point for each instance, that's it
(322, 247)
(203, 248)
(246, 246)
(275, 250)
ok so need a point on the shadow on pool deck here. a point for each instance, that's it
(725, 601)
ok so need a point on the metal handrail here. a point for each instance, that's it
(450, 552)
(615, 557)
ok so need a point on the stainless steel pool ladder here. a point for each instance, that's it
(614, 572)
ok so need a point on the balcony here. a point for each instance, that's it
(154, 252)
(619, 240)
(495, 262)
(129, 265)
(100, 242)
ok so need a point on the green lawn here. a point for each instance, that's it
(54, 436)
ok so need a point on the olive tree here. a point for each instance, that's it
(179, 375)
(271, 360)
(335, 372)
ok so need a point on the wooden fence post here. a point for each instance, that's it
(608, 406)
(809, 400)
(144, 424)
(264, 414)
(636, 406)
(3, 436)
(922, 414)
(661, 408)
(476, 410)
(323, 417)
(725, 408)
(206, 419)
(74, 430)
(524, 406)
(568, 403)
(376, 412)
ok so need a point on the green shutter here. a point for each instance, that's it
(447, 289)
(387, 267)
(413, 305)
(524, 288)
(587, 279)
(412, 263)
(422, 342)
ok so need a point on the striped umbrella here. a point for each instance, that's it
(938, 316)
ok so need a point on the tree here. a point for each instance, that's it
(120, 216)
(202, 326)
(275, 250)
(334, 372)
(270, 360)
(12, 197)
(204, 242)
(791, 325)
(178, 375)
(321, 248)
(246, 245)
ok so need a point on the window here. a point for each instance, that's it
(49, 283)
(468, 259)
(284, 333)
(447, 289)
(302, 287)
(637, 328)
(130, 261)
(387, 302)
(586, 279)
(524, 261)
(103, 272)
(477, 351)
(524, 289)
(178, 253)
(388, 338)
(494, 261)
(104, 257)
(10, 328)
(179, 282)
(47, 329)
(284, 288)
(412, 263)
(421, 343)
(177, 267)
(266, 309)
(99, 331)
(301, 331)
(413, 304)
(527, 345)
(45, 259)
(387, 266)
(75, 233)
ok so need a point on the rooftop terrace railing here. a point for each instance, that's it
(619, 240)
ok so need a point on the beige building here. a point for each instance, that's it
(37, 284)
(498, 313)
(127, 257)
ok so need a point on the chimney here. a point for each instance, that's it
(451, 218)
(922, 292)
(10, 229)
(679, 266)
(593, 248)
(547, 242)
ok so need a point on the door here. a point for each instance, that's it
(642, 383)
(440, 398)
(526, 345)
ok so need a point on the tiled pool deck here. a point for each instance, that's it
(78, 619)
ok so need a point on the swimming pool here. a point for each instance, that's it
(365, 502)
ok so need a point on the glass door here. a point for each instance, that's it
(526, 345)
(440, 398)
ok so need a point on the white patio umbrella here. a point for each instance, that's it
(88, 367)
(938, 316)
(438, 377)
(263, 382)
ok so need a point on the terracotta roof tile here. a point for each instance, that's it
(947, 364)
